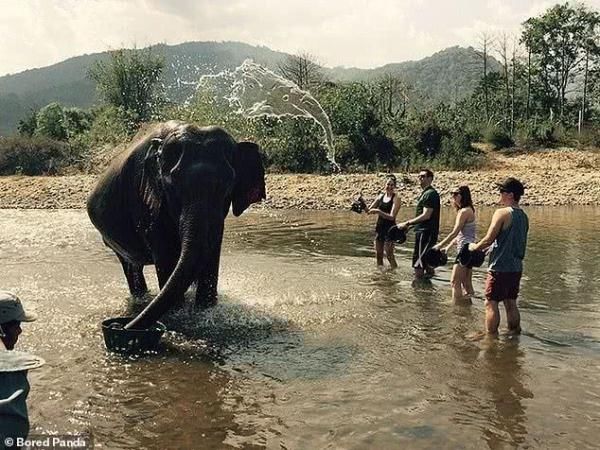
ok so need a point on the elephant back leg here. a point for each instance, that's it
(135, 277)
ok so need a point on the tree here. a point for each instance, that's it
(28, 124)
(55, 122)
(304, 70)
(51, 122)
(485, 41)
(563, 42)
(504, 53)
(130, 79)
(390, 94)
(76, 121)
(353, 110)
(507, 51)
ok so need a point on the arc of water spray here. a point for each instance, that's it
(255, 91)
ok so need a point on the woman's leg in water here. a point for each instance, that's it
(379, 252)
(457, 281)
(388, 247)
(468, 282)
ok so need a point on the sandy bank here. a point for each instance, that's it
(552, 177)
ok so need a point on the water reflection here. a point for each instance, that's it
(146, 412)
(503, 376)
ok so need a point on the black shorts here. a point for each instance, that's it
(381, 232)
(457, 261)
(424, 240)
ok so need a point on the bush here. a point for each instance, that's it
(457, 153)
(292, 146)
(297, 159)
(589, 137)
(55, 122)
(77, 121)
(498, 138)
(429, 139)
(295, 147)
(344, 155)
(111, 125)
(51, 122)
(33, 156)
(28, 124)
(535, 133)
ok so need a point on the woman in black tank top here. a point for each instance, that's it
(386, 207)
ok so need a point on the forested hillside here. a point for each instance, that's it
(448, 75)
(66, 82)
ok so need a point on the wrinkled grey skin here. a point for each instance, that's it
(163, 201)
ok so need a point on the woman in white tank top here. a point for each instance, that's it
(462, 233)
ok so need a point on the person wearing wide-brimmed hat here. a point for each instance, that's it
(507, 240)
(14, 387)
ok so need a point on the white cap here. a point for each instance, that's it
(11, 309)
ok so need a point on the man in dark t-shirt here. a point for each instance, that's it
(426, 223)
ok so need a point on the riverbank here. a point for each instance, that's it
(552, 177)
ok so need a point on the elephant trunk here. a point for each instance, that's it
(196, 228)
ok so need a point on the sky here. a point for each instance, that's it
(351, 33)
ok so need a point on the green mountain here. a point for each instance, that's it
(446, 75)
(67, 83)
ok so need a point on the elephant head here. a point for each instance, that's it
(191, 177)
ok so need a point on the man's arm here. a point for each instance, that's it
(459, 223)
(430, 201)
(5, 401)
(498, 221)
(425, 215)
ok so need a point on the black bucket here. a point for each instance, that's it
(398, 235)
(435, 258)
(470, 258)
(120, 340)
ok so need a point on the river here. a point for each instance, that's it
(311, 346)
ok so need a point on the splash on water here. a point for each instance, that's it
(255, 91)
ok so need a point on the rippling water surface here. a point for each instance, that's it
(311, 346)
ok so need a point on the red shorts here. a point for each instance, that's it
(502, 286)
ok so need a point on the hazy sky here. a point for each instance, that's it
(361, 33)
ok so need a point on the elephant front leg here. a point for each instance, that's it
(164, 269)
(165, 254)
(135, 277)
(165, 265)
(206, 286)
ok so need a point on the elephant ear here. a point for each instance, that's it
(249, 177)
(150, 187)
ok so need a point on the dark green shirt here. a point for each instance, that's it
(14, 420)
(429, 198)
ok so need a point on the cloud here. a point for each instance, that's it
(362, 33)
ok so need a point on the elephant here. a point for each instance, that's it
(163, 201)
